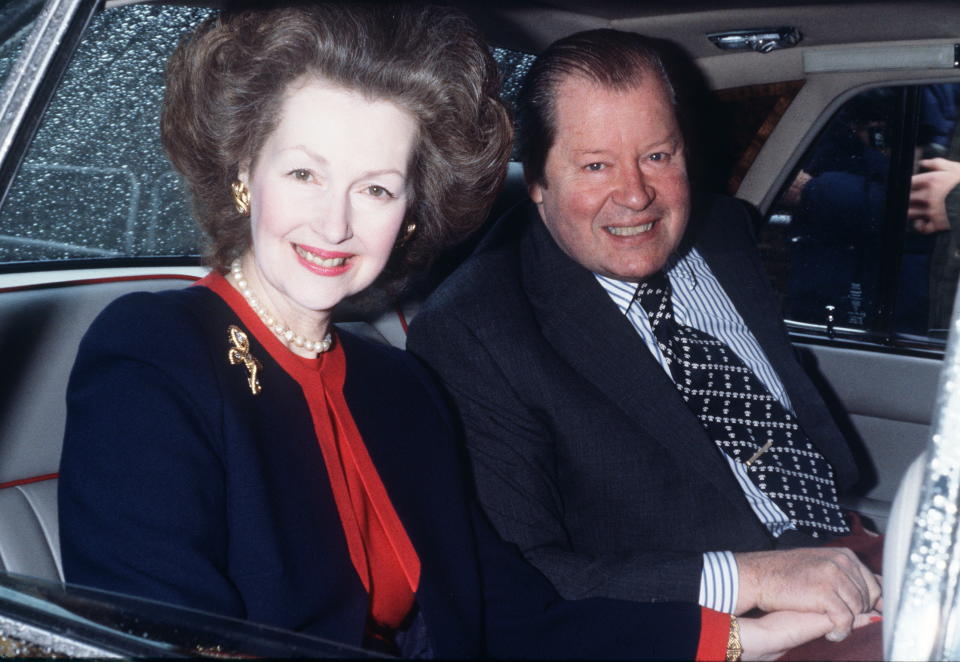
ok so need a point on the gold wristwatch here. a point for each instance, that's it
(734, 647)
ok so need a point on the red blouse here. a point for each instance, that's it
(380, 549)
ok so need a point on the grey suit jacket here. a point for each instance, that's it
(583, 452)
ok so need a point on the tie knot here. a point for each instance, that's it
(653, 295)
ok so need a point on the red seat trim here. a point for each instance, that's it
(27, 481)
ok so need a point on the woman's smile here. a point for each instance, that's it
(325, 263)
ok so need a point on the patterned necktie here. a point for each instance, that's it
(745, 421)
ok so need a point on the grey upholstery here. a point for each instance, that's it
(40, 329)
(888, 400)
(29, 543)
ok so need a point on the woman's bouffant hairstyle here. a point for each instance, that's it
(615, 59)
(226, 82)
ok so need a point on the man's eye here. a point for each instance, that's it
(659, 156)
(593, 167)
(301, 174)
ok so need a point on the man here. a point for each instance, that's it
(585, 452)
(934, 209)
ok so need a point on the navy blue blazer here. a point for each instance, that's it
(583, 451)
(178, 484)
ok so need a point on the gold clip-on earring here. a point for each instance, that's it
(241, 197)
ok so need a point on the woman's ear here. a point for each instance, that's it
(243, 172)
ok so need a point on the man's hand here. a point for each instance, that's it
(824, 580)
(770, 636)
(793, 193)
(928, 194)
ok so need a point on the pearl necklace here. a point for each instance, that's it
(283, 332)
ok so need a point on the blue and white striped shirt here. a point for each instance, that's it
(700, 302)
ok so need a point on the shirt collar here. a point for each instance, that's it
(677, 266)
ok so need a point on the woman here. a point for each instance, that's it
(227, 449)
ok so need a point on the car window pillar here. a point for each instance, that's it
(895, 218)
(925, 623)
(34, 77)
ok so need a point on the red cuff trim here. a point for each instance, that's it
(714, 633)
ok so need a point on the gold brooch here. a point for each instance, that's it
(240, 353)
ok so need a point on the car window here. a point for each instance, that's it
(95, 181)
(16, 19)
(513, 66)
(838, 241)
(44, 619)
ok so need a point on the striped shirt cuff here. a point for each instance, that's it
(719, 582)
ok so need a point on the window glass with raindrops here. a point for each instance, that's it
(95, 182)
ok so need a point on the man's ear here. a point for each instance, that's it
(536, 193)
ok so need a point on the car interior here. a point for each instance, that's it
(879, 372)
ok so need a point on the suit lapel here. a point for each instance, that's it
(757, 305)
(747, 292)
(587, 329)
(753, 299)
